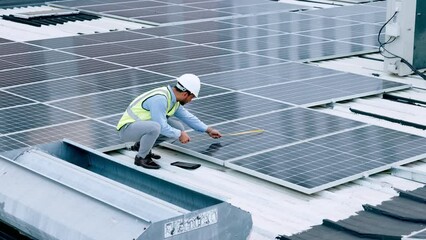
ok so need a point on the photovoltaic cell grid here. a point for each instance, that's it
(82, 84)
(322, 163)
(170, 12)
(281, 128)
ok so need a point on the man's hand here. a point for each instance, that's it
(184, 137)
(213, 133)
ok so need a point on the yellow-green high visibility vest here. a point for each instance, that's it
(136, 111)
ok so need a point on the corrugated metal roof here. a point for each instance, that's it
(391, 219)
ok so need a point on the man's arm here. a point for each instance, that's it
(193, 122)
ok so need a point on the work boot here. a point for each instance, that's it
(146, 162)
(136, 146)
(153, 155)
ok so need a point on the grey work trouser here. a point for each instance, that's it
(147, 133)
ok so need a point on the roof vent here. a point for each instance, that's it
(49, 17)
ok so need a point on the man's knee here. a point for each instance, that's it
(155, 128)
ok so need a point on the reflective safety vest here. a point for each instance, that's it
(136, 111)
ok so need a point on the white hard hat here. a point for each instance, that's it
(189, 82)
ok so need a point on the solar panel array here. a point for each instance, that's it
(253, 76)
(170, 12)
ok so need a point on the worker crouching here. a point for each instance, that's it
(156, 116)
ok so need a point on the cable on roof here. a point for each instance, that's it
(383, 50)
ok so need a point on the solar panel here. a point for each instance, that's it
(157, 10)
(264, 7)
(240, 61)
(90, 133)
(7, 144)
(239, 80)
(329, 161)
(269, 18)
(99, 50)
(208, 25)
(16, 47)
(316, 51)
(141, 59)
(122, 5)
(152, 44)
(268, 42)
(223, 35)
(202, 37)
(370, 40)
(234, 105)
(55, 90)
(350, 31)
(8, 65)
(230, 147)
(79, 67)
(281, 128)
(328, 89)
(294, 71)
(182, 17)
(193, 52)
(376, 17)
(38, 58)
(116, 36)
(9, 100)
(194, 66)
(41, 116)
(64, 42)
(96, 105)
(24, 75)
(344, 10)
(122, 78)
(307, 24)
(112, 120)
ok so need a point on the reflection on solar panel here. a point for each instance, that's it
(250, 56)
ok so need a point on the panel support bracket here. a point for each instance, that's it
(409, 173)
